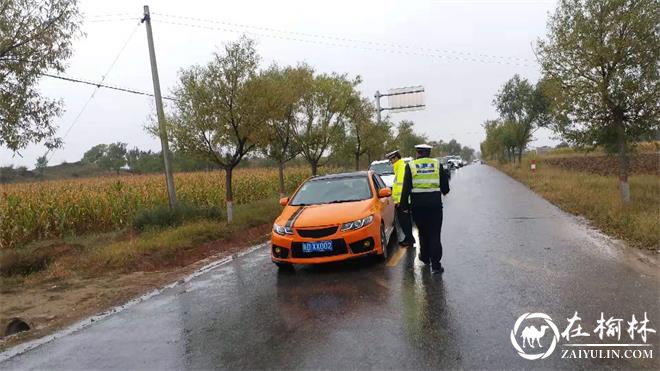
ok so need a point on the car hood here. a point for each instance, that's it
(326, 214)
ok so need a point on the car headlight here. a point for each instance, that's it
(282, 230)
(357, 224)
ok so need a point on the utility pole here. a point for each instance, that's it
(378, 109)
(165, 148)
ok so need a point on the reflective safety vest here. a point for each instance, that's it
(399, 171)
(425, 175)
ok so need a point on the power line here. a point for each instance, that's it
(102, 20)
(98, 86)
(88, 15)
(394, 51)
(381, 46)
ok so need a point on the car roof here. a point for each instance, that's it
(405, 159)
(352, 174)
(379, 162)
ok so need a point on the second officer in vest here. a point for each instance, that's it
(425, 181)
(402, 219)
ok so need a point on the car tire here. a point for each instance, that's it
(284, 266)
(383, 242)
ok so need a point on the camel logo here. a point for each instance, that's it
(531, 336)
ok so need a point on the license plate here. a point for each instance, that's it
(318, 246)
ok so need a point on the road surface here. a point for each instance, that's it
(507, 252)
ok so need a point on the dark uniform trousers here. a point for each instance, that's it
(405, 222)
(429, 226)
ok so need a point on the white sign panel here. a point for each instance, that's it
(406, 99)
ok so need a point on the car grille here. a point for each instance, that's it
(317, 233)
(338, 248)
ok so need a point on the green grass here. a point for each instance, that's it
(163, 216)
(596, 197)
(127, 250)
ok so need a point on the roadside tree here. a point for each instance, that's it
(324, 112)
(523, 107)
(600, 64)
(36, 37)
(361, 127)
(215, 115)
(406, 138)
(281, 91)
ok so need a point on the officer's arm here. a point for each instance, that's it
(444, 180)
(405, 190)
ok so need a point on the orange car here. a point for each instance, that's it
(334, 217)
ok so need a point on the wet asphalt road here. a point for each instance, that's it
(507, 252)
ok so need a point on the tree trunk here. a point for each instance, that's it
(228, 194)
(357, 161)
(315, 166)
(281, 174)
(624, 187)
(520, 151)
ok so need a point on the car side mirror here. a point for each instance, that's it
(284, 201)
(384, 192)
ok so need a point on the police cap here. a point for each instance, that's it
(423, 147)
(393, 153)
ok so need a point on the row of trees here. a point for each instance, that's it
(116, 156)
(228, 109)
(224, 111)
(522, 108)
(600, 85)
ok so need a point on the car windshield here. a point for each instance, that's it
(384, 168)
(332, 190)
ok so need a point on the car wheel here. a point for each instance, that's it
(383, 242)
(284, 266)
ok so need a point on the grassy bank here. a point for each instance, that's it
(127, 250)
(596, 197)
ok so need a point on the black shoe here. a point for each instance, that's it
(424, 260)
(435, 269)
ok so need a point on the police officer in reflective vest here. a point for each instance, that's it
(403, 221)
(425, 181)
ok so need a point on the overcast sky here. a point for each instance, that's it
(460, 51)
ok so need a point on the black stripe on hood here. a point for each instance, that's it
(294, 217)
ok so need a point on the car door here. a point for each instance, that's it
(386, 204)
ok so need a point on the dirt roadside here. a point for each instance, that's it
(50, 306)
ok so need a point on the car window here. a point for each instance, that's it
(384, 168)
(333, 190)
(378, 182)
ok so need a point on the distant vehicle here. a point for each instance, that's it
(334, 217)
(385, 170)
(454, 162)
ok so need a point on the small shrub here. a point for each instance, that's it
(22, 262)
(163, 216)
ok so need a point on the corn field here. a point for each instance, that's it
(36, 211)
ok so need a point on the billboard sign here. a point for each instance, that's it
(406, 99)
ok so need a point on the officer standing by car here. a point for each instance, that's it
(424, 183)
(403, 221)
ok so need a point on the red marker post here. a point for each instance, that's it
(532, 165)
